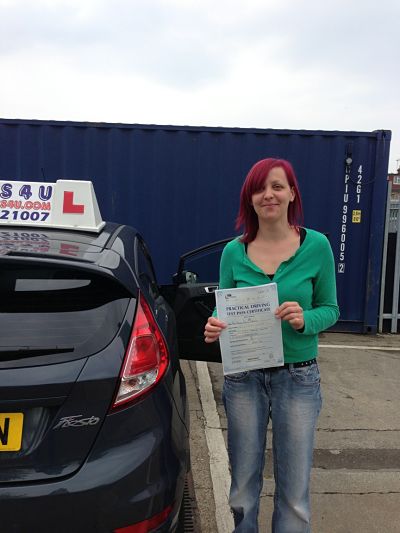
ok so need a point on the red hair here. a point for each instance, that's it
(253, 183)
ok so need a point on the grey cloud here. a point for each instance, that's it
(173, 46)
(355, 39)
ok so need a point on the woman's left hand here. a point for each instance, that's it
(292, 313)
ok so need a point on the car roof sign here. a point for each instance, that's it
(68, 204)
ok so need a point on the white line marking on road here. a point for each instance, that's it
(219, 463)
(356, 347)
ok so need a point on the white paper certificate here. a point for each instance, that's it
(253, 338)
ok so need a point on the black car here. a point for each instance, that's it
(93, 410)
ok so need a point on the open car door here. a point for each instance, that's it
(192, 297)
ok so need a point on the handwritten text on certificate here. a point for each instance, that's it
(253, 338)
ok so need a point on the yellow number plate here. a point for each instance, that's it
(11, 431)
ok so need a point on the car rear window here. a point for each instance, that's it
(49, 311)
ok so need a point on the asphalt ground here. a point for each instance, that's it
(355, 480)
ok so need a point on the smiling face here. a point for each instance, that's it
(272, 201)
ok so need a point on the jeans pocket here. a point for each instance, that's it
(237, 376)
(306, 375)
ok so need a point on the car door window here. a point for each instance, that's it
(195, 283)
(201, 265)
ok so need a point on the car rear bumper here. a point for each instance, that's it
(129, 475)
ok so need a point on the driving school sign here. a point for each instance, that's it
(65, 204)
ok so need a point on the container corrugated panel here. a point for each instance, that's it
(180, 187)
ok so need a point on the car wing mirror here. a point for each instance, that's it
(184, 277)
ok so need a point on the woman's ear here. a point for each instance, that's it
(293, 194)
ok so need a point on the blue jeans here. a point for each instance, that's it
(291, 397)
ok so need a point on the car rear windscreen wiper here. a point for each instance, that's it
(18, 352)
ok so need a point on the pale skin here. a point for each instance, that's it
(275, 242)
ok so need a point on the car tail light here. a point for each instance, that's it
(146, 358)
(147, 525)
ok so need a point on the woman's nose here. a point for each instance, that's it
(267, 192)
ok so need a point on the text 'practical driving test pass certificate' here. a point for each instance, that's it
(253, 338)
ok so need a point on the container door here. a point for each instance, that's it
(192, 297)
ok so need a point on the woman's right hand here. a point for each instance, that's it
(213, 329)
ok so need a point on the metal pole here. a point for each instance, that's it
(384, 258)
(396, 280)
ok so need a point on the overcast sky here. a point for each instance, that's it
(292, 64)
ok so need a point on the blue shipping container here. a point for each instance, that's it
(180, 187)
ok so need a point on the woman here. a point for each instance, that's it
(274, 247)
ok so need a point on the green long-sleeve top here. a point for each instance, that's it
(308, 277)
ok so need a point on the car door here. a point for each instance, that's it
(192, 297)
